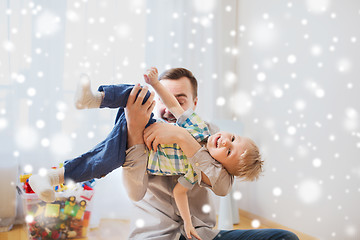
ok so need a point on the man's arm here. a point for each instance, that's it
(167, 98)
(135, 178)
(138, 114)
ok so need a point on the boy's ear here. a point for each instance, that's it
(243, 154)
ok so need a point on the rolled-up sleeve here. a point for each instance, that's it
(135, 177)
(221, 181)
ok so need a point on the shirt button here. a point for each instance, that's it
(197, 164)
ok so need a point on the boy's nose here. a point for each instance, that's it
(224, 142)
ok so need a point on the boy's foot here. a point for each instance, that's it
(43, 185)
(84, 98)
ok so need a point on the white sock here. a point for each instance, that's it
(84, 98)
(43, 185)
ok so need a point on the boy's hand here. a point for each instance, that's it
(151, 76)
(161, 133)
(190, 231)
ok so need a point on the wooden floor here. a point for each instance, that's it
(246, 218)
(111, 229)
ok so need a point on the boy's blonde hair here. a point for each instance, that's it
(249, 166)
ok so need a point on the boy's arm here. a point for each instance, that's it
(181, 199)
(156, 134)
(166, 97)
(213, 174)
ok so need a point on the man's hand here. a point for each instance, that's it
(138, 114)
(151, 76)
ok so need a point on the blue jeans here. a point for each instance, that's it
(254, 234)
(110, 153)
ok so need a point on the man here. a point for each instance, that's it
(158, 215)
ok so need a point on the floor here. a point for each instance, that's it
(111, 229)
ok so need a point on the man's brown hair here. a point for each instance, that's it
(177, 73)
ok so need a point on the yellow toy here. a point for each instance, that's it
(24, 177)
(39, 210)
(52, 210)
(70, 206)
(81, 210)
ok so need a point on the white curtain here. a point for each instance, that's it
(45, 46)
(185, 34)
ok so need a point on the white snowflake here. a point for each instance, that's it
(47, 24)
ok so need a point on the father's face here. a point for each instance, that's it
(181, 88)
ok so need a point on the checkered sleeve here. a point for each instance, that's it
(194, 125)
(189, 179)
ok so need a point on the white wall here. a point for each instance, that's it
(304, 115)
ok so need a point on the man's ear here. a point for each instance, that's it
(195, 102)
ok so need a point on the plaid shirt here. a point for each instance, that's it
(169, 159)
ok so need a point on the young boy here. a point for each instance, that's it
(238, 155)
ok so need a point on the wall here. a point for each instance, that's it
(298, 72)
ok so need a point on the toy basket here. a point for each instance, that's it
(66, 218)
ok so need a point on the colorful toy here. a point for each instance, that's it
(90, 184)
(61, 188)
(70, 206)
(86, 219)
(66, 218)
(40, 210)
(27, 187)
(24, 177)
(81, 210)
(52, 210)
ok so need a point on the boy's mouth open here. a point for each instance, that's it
(217, 141)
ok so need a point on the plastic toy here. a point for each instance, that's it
(63, 219)
(24, 177)
(81, 210)
(52, 210)
(70, 206)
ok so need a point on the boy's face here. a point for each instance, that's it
(227, 148)
(181, 88)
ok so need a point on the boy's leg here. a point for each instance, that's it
(43, 185)
(84, 97)
(109, 96)
(110, 153)
(98, 162)
(116, 96)
(103, 158)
